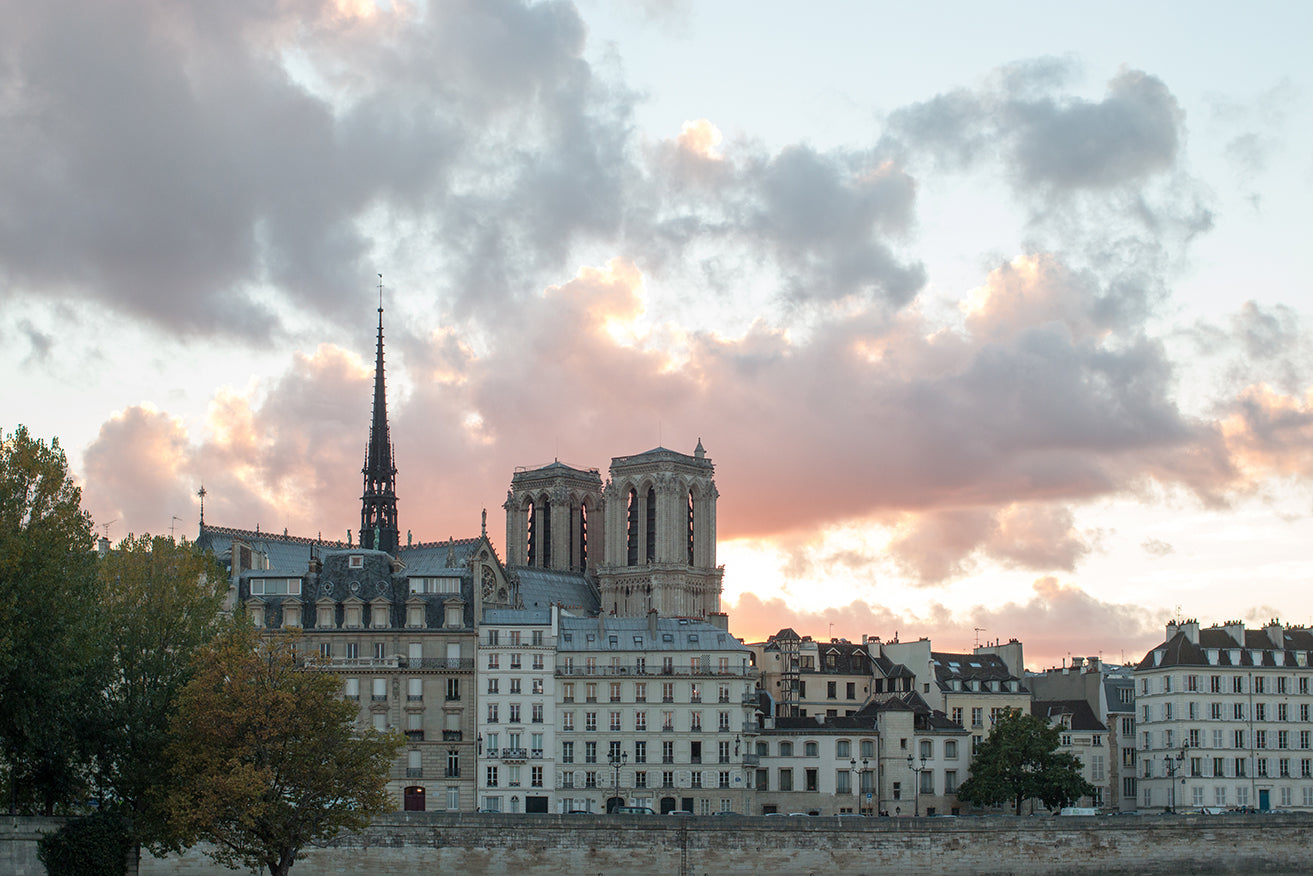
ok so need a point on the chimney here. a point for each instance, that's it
(1276, 632)
(719, 619)
(102, 547)
(652, 621)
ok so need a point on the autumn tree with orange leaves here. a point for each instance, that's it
(267, 756)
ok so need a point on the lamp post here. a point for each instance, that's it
(616, 763)
(917, 767)
(1173, 761)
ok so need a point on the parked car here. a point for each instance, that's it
(634, 810)
(679, 812)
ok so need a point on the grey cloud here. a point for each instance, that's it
(1129, 135)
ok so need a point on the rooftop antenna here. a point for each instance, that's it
(175, 519)
(979, 630)
(106, 526)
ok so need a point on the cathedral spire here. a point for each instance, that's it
(378, 505)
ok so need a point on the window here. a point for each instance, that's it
(1260, 684)
(927, 749)
(950, 749)
(1260, 711)
(811, 749)
(640, 721)
(640, 751)
(590, 721)
(514, 716)
(1283, 712)
(640, 692)
(567, 752)
(786, 779)
(492, 777)
(590, 752)
(667, 691)
(786, 749)
(615, 691)
(843, 782)
(1237, 684)
(453, 689)
(537, 713)
(515, 685)
(667, 752)
(567, 720)
(950, 781)
(492, 713)
(493, 685)
(831, 689)
(453, 765)
(977, 716)
(615, 720)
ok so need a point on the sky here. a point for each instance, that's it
(994, 318)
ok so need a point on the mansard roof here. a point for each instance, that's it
(970, 667)
(1080, 715)
(634, 634)
(1219, 648)
(890, 669)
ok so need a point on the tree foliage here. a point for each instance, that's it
(49, 677)
(160, 604)
(96, 845)
(1019, 761)
(267, 756)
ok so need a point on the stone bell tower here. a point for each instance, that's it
(660, 511)
(554, 518)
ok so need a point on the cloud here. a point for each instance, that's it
(1055, 621)
(1157, 547)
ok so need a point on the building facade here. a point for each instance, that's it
(1226, 718)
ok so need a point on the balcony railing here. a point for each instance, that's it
(415, 735)
(414, 772)
(629, 669)
(393, 662)
(451, 736)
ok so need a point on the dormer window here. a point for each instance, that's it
(324, 615)
(379, 615)
(353, 620)
(453, 614)
(256, 609)
(356, 561)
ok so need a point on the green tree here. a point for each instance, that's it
(1019, 761)
(160, 603)
(49, 677)
(267, 756)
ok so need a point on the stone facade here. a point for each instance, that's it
(1226, 718)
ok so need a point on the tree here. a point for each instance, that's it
(1019, 760)
(160, 603)
(49, 677)
(267, 756)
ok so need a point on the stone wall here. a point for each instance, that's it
(433, 843)
(18, 839)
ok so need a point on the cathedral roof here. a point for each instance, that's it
(542, 588)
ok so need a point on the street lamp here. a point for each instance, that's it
(917, 768)
(1172, 761)
(616, 763)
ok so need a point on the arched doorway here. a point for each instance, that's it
(667, 805)
(414, 798)
(614, 803)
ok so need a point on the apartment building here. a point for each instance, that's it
(655, 712)
(1226, 718)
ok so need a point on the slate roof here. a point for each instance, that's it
(1258, 649)
(1082, 717)
(513, 616)
(288, 554)
(890, 669)
(971, 667)
(575, 633)
(543, 588)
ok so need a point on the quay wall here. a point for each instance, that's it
(528, 845)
